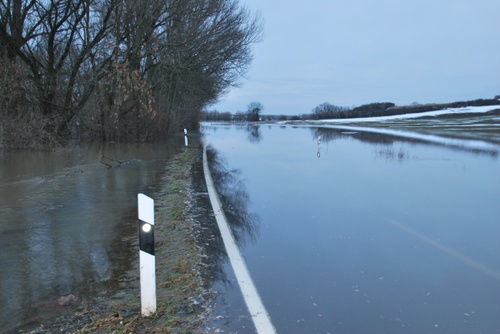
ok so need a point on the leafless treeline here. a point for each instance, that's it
(119, 69)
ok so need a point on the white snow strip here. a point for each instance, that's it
(467, 260)
(463, 143)
(464, 110)
(254, 304)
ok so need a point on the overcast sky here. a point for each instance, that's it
(353, 52)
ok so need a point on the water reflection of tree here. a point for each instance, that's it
(234, 200)
(75, 224)
(254, 134)
(390, 154)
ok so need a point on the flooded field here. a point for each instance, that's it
(358, 231)
(68, 223)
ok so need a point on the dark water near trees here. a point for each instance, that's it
(68, 222)
(366, 233)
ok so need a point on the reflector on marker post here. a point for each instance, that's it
(147, 254)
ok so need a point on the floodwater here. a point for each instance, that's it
(68, 222)
(359, 232)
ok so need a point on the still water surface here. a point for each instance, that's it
(68, 222)
(366, 233)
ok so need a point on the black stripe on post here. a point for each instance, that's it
(146, 237)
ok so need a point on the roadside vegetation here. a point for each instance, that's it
(131, 70)
(330, 111)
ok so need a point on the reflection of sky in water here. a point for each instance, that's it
(363, 240)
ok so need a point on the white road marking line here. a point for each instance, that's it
(254, 304)
(467, 260)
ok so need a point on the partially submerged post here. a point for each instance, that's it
(147, 254)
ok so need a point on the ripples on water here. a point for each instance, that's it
(67, 222)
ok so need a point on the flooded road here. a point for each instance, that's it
(68, 222)
(363, 232)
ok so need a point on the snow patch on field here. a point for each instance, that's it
(351, 124)
(464, 110)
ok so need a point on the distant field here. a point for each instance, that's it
(485, 127)
(468, 126)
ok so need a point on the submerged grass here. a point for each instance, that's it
(180, 293)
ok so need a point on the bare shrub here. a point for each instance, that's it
(21, 124)
(29, 130)
(130, 70)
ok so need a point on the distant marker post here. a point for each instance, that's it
(147, 254)
(186, 143)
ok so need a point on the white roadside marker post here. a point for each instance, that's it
(146, 216)
(186, 137)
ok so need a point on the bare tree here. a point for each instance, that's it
(186, 52)
(207, 51)
(56, 40)
(327, 110)
(254, 110)
(125, 69)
